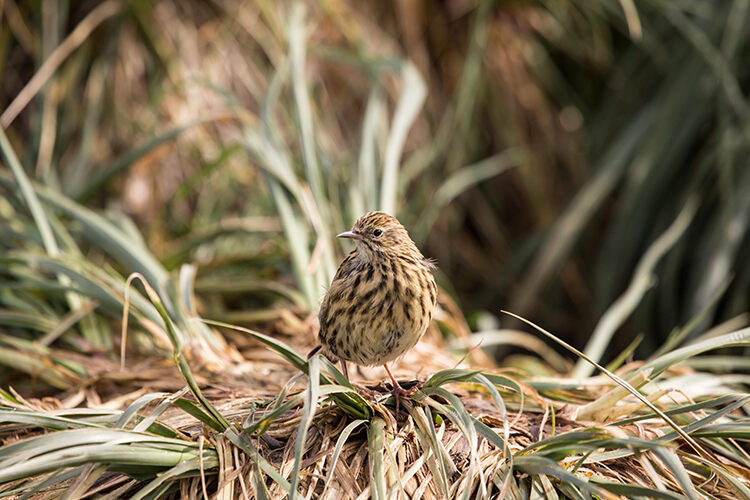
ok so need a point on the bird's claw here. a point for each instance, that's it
(399, 392)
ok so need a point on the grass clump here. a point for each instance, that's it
(465, 433)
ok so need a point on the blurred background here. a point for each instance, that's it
(559, 160)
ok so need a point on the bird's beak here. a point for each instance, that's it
(350, 234)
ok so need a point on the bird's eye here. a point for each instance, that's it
(377, 232)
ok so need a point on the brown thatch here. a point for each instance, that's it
(242, 391)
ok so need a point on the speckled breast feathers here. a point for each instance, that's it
(381, 300)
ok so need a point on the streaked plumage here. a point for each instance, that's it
(381, 300)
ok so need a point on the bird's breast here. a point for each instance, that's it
(375, 311)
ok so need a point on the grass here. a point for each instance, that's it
(465, 433)
(238, 141)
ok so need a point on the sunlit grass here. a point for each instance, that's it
(458, 447)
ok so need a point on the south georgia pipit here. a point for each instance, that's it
(381, 299)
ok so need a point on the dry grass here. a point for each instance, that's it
(532, 441)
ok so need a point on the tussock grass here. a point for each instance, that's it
(334, 119)
(465, 433)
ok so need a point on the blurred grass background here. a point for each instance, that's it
(535, 149)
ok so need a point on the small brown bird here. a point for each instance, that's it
(381, 299)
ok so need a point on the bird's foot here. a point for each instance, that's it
(405, 388)
(398, 391)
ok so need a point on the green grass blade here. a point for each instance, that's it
(139, 456)
(186, 467)
(408, 106)
(340, 442)
(739, 338)
(534, 465)
(29, 195)
(217, 419)
(349, 401)
(136, 405)
(674, 465)
(683, 409)
(635, 491)
(376, 438)
(308, 412)
(450, 376)
(365, 197)
(471, 175)
(440, 462)
(641, 282)
(35, 486)
(197, 411)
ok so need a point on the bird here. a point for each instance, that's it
(381, 299)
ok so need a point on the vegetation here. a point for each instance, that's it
(174, 169)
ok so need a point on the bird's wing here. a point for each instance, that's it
(345, 268)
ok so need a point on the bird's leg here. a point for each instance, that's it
(393, 380)
(397, 391)
(343, 368)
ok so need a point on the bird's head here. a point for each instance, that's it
(377, 233)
